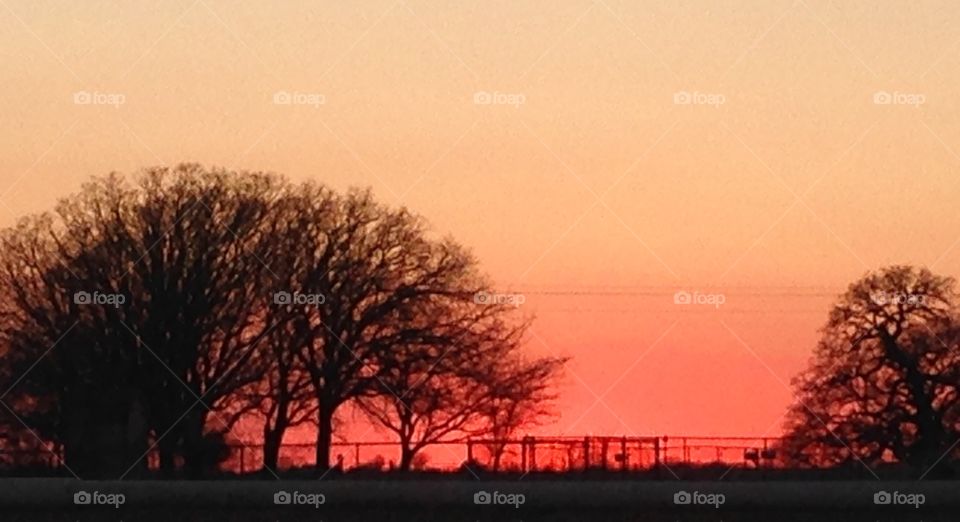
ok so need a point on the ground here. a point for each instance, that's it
(49, 500)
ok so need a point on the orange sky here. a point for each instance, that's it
(598, 197)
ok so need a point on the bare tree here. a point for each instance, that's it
(285, 398)
(36, 317)
(522, 398)
(479, 386)
(158, 314)
(365, 277)
(883, 382)
(422, 405)
(151, 297)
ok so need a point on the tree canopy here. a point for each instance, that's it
(150, 317)
(882, 386)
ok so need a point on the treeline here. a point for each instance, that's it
(154, 315)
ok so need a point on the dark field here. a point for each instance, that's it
(45, 500)
(432, 515)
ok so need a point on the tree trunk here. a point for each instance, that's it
(406, 456)
(167, 450)
(196, 459)
(930, 432)
(272, 440)
(324, 437)
(74, 434)
(498, 450)
(136, 434)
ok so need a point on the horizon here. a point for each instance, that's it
(596, 158)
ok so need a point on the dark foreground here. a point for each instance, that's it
(429, 515)
(43, 500)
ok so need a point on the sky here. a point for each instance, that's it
(596, 156)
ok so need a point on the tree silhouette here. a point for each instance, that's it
(374, 286)
(284, 398)
(423, 399)
(521, 398)
(160, 362)
(883, 382)
(155, 316)
(429, 394)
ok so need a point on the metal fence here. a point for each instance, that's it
(528, 454)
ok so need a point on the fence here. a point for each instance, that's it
(528, 454)
(555, 454)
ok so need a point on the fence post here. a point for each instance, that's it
(523, 454)
(623, 454)
(586, 453)
(533, 454)
(604, 449)
(656, 451)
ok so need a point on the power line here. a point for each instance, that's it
(668, 293)
(661, 291)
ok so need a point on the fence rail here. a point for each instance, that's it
(528, 454)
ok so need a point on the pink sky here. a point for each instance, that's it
(588, 185)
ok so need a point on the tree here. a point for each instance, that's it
(285, 397)
(156, 315)
(422, 400)
(480, 386)
(151, 299)
(365, 282)
(883, 382)
(522, 398)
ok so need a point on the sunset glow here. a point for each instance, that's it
(597, 158)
